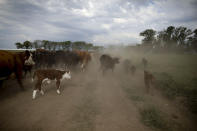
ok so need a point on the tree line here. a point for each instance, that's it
(52, 45)
(170, 38)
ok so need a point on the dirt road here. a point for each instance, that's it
(88, 102)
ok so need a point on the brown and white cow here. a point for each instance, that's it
(12, 62)
(47, 75)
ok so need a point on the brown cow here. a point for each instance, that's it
(148, 80)
(47, 75)
(14, 63)
(85, 57)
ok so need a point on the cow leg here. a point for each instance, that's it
(112, 69)
(25, 72)
(19, 79)
(147, 86)
(40, 89)
(36, 88)
(58, 86)
(103, 72)
(1, 83)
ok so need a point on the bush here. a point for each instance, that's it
(152, 118)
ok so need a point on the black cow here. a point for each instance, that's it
(107, 62)
(48, 59)
(69, 59)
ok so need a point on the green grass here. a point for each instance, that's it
(151, 117)
(176, 74)
(171, 89)
(132, 95)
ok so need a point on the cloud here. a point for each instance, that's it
(100, 22)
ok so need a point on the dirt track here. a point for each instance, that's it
(87, 102)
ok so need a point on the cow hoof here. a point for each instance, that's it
(58, 92)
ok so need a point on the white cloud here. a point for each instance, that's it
(103, 21)
(106, 26)
(119, 20)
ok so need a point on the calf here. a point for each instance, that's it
(47, 75)
(148, 80)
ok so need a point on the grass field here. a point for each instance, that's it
(176, 74)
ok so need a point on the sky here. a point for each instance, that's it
(101, 22)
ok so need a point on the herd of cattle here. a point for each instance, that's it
(44, 61)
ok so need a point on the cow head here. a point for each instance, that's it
(66, 75)
(28, 58)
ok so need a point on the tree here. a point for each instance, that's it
(165, 37)
(149, 36)
(180, 35)
(78, 45)
(192, 40)
(19, 45)
(88, 46)
(27, 44)
(66, 45)
(35, 44)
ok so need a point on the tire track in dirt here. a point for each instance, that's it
(48, 112)
(116, 111)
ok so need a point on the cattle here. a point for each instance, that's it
(128, 67)
(85, 57)
(144, 62)
(44, 58)
(11, 62)
(107, 62)
(47, 75)
(133, 70)
(68, 58)
(65, 59)
(148, 80)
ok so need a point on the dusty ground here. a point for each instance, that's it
(88, 102)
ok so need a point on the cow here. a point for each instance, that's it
(27, 68)
(107, 62)
(47, 75)
(70, 59)
(44, 58)
(133, 69)
(85, 57)
(148, 80)
(144, 62)
(128, 67)
(11, 62)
